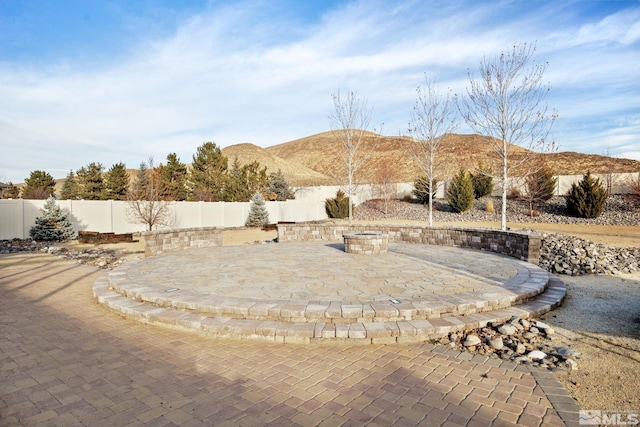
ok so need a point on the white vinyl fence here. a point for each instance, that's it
(18, 216)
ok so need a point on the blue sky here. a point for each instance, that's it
(120, 81)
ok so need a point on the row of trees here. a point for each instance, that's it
(209, 179)
(505, 103)
(585, 199)
(467, 186)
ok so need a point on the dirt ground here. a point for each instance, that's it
(600, 317)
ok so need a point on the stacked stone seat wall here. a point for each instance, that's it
(161, 241)
(519, 245)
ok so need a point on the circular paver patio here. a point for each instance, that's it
(324, 272)
(315, 292)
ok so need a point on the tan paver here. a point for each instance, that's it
(314, 293)
(65, 360)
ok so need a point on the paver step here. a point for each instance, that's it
(530, 282)
(323, 330)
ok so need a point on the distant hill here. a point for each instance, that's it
(316, 153)
(310, 161)
(296, 173)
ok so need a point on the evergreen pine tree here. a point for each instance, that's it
(587, 199)
(236, 189)
(116, 182)
(460, 195)
(141, 184)
(421, 189)
(53, 224)
(258, 215)
(173, 179)
(208, 176)
(278, 185)
(40, 185)
(70, 189)
(91, 182)
(482, 182)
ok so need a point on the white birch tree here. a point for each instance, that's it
(433, 116)
(349, 123)
(506, 105)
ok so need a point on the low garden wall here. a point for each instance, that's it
(102, 238)
(158, 242)
(519, 245)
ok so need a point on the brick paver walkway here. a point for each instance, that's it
(66, 361)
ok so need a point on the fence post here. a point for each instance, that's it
(22, 218)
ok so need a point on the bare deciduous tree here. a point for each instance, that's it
(386, 184)
(634, 184)
(506, 105)
(144, 201)
(540, 185)
(610, 178)
(349, 123)
(432, 117)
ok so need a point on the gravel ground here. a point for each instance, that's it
(601, 319)
(619, 210)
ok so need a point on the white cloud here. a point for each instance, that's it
(242, 74)
(621, 27)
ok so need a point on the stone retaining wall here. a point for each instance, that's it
(158, 242)
(523, 246)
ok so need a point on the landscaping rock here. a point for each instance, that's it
(536, 355)
(98, 257)
(472, 340)
(507, 329)
(559, 254)
(567, 352)
(531, 344)
(496, 343)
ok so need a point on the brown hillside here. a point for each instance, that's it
(312, 160)
(468, 151)
(296, 174)
(317, 152)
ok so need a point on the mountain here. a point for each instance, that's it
(301, 158)
(297, 174)
(311, 160)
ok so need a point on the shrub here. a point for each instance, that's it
(587, 198)
(258, 215)
(482, 183)
(634, 185)
(54, 224)
(514, 193)
(541, 185)
(460, 195)
(421, 189)
(338, 207)
(489, 207)
(277, 185)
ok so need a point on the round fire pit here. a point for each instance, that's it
(367, 243)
